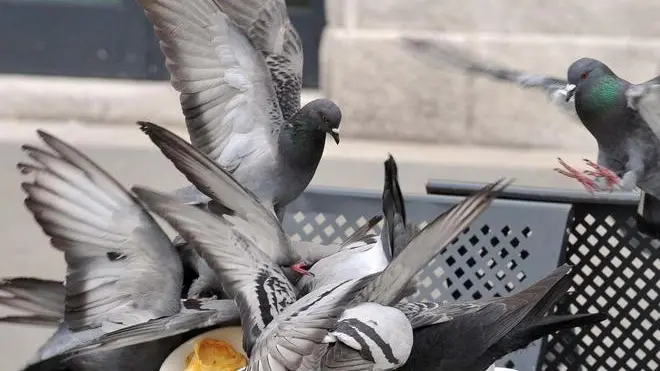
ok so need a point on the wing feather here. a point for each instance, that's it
(121, 266)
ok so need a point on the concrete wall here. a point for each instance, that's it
(386, 92)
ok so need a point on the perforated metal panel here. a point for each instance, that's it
(618, 271)
(512, 245)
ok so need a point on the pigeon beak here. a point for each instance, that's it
(334, 133)
(570, 91)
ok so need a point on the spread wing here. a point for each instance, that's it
(554, 88)
(42, 299)
(229, 245)
(227, 93)
(267, 25)
(121, 267)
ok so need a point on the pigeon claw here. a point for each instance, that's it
(599, 171)
(300, 268)
(589, 184)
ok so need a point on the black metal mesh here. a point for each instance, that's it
(617, 273)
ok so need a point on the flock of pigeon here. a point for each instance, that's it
(132, 295)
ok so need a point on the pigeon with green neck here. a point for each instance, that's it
(628, 147)
(603, 105)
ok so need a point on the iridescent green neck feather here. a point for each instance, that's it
(603, 94)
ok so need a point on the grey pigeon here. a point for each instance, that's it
(238, 66)
(121, 267)
(42, 299)
(554, 87)
(471, 335)
(623, 118)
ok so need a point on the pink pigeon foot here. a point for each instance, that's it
(600, 171)
(300, 268)
(589, 184)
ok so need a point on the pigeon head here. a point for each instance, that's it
(585, 72)
(325, 115)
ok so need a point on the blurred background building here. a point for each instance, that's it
(352, 55)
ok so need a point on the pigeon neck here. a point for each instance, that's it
(301, 143)
(602, 95)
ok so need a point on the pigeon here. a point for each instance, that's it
(623, 118)
(121, 267)
(42, 299)
(471, 335)
(238, 68)
(555, 88)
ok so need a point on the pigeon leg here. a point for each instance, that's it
(300, 268)
(600, 171)
(589, 184)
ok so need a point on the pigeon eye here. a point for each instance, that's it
(584, 75)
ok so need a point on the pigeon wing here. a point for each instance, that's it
(227, 93)
(121, 267)
(554, 88)
(645, 98)
(267, 25)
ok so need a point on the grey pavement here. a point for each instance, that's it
(127, 154)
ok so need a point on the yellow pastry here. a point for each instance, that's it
(214, 355)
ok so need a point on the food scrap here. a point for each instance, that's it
(214, 355)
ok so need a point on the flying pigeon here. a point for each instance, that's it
(121, 267)
(624, 118)
(238, 67)
(471, 335)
